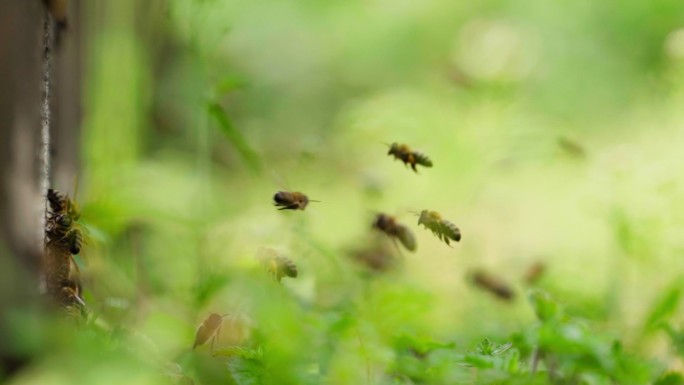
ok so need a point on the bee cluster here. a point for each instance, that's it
(63, 240)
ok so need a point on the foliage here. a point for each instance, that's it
(554, 133)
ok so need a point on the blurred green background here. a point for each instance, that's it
(555, 130)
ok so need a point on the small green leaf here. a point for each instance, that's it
(234, 136)
(545, 308)
(664, 307)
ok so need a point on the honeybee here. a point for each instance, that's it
(376, 255)
(63, 239)
(493, 285)
(210, 328)
(70, 293)
(571, 147)
(61, 204)
(287, 200)
(534, 273)
(443, 229)
(388, 225)
(408, 156)
(277, 265)
(58, 9)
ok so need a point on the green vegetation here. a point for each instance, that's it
(555, 133)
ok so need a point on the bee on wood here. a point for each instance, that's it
(388, 225)
(287, 200)
(408, 156)
(62, 217)
(493, 285)
(58, 9)
(443, 229)
(209, 329)
(70, 293)
(63, 239)
(534, 273)
(61, 204)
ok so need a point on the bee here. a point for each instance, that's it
(376, 255)
(493, 285)
(409, 157)
(287, 200)
(388, 225)
(571, 147)
(443, 229)
(58, 9)
(534, 272)
(61, 204)
(209, 329)
(63, 239)
(70, 293)
(277, 265)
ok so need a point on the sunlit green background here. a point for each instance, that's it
(197, 112)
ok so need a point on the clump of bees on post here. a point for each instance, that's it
(63, 240)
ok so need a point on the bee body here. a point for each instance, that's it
(388, 225)
(493, 285)
(63, 238)
(287, 200)
(443, 229)
(534, 273)
(280, 267)
(208, 329)
(408, 156)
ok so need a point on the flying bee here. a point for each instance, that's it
(443, 229)
(534, 273)
(277, 265)
(376, 255)
(388, 225)
(408, 156)
(493, 285)
(287, 200)
(209, 329)
(280, 267)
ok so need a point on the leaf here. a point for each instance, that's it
(544, 307)
(670, 379)
(245, 372)
(665, 307)
(234, 136)
(240, 351)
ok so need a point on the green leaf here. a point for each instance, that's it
(670, 379)
(664, 307)
(545, 308)
(234, 136)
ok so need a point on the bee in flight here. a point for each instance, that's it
(277, 265)
(408, 156)
(493, 285)
(209, 329)
(287, 200)
(441, 228)
(534, 273)
(388, 225)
